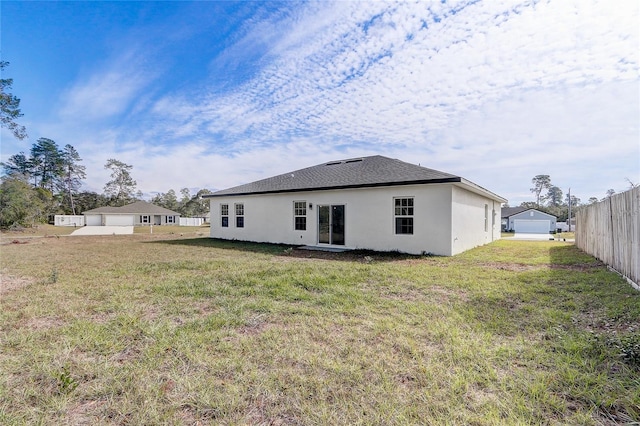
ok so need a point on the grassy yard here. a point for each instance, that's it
(46, 230)
(170, 329)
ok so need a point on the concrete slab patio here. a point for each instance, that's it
(103, 230)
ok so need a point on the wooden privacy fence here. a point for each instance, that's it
(610, 231)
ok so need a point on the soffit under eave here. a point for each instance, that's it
(477, 189)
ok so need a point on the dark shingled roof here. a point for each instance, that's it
(510, 211)
(139, 207)
(351, 173)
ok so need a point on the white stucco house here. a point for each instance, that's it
(374, 203)
(134, 214)
(526, 220)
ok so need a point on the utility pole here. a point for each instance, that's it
(569, 219)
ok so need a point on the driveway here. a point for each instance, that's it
(538, 237)
(103, 230)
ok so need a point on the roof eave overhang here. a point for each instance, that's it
(470, 186)
(338, 187)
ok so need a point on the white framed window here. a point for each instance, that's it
(170, 219)
(300, 215)
(403, 215)
(224, 215)
(239, 207)
(145, 219)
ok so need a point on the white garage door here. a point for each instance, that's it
(93, 219)
(119, 220)
(527, 226)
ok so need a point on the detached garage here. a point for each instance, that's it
(524, 220)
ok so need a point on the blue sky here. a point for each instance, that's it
(216, 94)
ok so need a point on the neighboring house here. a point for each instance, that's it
(526, 220)
(375, 203)
(138, 213)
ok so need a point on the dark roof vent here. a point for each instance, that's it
(333, 163)
(355, 160)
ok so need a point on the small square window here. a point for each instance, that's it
(301, 223)
(404, 225)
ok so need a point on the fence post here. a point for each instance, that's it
(613, 236)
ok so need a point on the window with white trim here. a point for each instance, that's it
(145, 219)
(239, 215)
(403, 215)
(224, 215)
(300, 215)
(170, 219)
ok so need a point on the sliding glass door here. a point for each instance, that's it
(331, 224)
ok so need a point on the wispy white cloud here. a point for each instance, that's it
(391, 73)
(108, 91)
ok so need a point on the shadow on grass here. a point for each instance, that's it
(585, 317)
(287, 250)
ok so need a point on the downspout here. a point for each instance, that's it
(493, 219)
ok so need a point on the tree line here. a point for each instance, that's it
(551, 199)
(48, 180)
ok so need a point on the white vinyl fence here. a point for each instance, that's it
(610, 231)
(68, 220)
(191, 221)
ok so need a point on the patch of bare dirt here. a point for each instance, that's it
(254, 325)
(581, 267)
(362, 256)
(520, 267)
(81, 413)
(44, 323)
(11, 282)
(512, 267)
(448, 294)
(598, 323)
